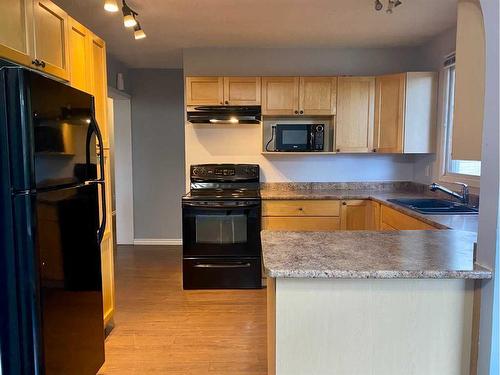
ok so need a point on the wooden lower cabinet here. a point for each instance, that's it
(108, 277)
(301, 215)
(391, 219)
(306, 224)
(360, 215)
(299, 207)
(329, 215)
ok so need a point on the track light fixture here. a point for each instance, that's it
(128, 15)
(139, 32)
(111, 6)
(391, 4)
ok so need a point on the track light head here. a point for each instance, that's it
(139, 32)
(378, 5)
(128, 16)
(111, 6)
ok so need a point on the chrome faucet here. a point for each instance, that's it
(464, 197)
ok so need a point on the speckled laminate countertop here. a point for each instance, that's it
(457, 222)
(446, 254)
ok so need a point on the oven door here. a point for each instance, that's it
(221, 228)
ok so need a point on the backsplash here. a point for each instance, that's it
(386, 186)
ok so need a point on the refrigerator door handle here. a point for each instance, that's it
(101, 180)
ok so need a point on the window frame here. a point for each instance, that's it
(444, 139)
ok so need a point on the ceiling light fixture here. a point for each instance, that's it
(128, 15)
(139, 32)
(391, 4)
(111, 6)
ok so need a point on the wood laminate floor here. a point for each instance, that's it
(162, 329)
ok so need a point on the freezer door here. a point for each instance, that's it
(52, 132)
(70, 280)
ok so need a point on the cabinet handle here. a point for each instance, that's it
(374, 150)
(301, 209)
(301, 112)
(338, 150)
(42, 64)
(36, 62)
(296, 112)
(344, 204)
(226, 102)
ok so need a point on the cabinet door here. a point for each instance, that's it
(300, 207)
(355, 106)
(400, 221)
(16, 33)
(99, 84)
(107, 247)
(204, 90)
(280, 95)
(51, 38)
(318, 96)
(359, 215)
(108, 277)
(304, 224)
(389, 113)
(242, 90)
(79, 56)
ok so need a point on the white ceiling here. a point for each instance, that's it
(172, 25)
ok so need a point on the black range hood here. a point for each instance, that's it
(224, 114)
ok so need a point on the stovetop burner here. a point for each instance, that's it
(224, 182)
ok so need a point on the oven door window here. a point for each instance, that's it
(221, 229)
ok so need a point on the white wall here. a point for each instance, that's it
(489, 222)
(242, 144)
(299, 61)
(433, 55)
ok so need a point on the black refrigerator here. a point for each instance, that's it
(52, 211)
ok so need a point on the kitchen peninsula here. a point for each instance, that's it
(367, 301)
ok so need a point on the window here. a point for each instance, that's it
(451, 169)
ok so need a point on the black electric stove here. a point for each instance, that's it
(221, 227)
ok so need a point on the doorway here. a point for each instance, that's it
(119, 117)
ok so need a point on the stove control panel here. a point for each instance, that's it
(226, 172)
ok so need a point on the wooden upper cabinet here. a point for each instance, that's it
(355, 106)
(16, 36)
(80, 56)
(405, 113)
(99, 84)
(280, 95)
(242, 90)
(318, 96)
(389, 113)
(51, 38)
(204, 90)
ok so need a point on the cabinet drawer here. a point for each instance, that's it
(307, 224)
(301, 208)
(398, 220)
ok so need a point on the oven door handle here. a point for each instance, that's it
(223, 265)
(219, 206)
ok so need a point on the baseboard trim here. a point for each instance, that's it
(158, 241)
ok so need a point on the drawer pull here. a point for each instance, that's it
(223, 265)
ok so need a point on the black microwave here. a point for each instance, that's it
(300, 137)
